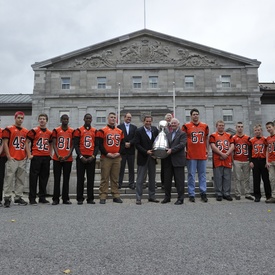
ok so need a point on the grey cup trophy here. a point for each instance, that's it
(160, 144)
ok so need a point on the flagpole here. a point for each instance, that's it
(144, 15)
(174, 99)
(118, 105)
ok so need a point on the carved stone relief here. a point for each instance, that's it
(144, 51)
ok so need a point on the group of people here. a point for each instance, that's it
(187, 146)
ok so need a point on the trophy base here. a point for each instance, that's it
(160, 153)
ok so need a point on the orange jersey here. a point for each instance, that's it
(86, 140)
(63, 142)
(196, 140)
(111, 138)
(271, 148)
(258, 147)
(222, 142)
(40, 140)
(17, 141)
(241, 151)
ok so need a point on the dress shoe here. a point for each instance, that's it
(257, 199)
(178, 202)
(204, 197)
(55, 202)
(44, 201)
(153, 200)
(228, 198)
(90, 202)
(219, 198)
(67, 202)
(102, 201)
(117, 200)
(166, 200)
(192, 199)
(80, 202)
(238, 198)
(132, 187)
(138, 202)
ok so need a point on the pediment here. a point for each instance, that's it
(145, 48)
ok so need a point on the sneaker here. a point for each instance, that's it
(117, 200)
(238, 198)
(192, 199)
(91, 202)
(67, 202)
(33, 202)
(79, 202)
(270, 200)
(7, 203)
(20, 202)
(257, 199)
(55, 202)
(102, 201)
(204, 197)
(43, 201)
(249, 197)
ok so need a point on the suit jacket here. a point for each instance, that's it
(144, 143)
(128, 138)
(178, 156)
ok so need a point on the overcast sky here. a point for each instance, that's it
(34, 30)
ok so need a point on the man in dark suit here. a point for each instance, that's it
(175, 162)
(144, 139)
(128, 152)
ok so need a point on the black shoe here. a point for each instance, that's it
(44, 201)
(55, 202)
(33, 202)
(138, 202)
(132, 187)
(80, 202)
(179, 202)
(219, 198)
(228, 198)
(257, 199)
(67, 202)
(90, 202)
(166, 200)
(249, 197)
(153, 200)
(20, 202)
(7, 203)
(102, 201)
(238, 198)
(192, 199)
(117, 200)
(204, 198)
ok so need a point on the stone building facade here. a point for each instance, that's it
(154, 74)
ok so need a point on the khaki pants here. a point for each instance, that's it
(109, 171)
(271, 172)
(17, 169)
(242, 175)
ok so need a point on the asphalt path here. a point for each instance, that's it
(195, 238)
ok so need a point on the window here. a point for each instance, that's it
(137, 82)
(226, 81)
(101, 82)
(65, 83)
(189, 81)
(227, 115)
(187, 115)
(153, 82)
(100, 116)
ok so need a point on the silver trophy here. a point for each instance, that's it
(160, 145)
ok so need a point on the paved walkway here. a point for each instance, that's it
(235, 238)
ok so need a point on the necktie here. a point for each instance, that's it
(173, 135)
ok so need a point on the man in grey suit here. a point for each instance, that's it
(128, 152)
(175, 162)
(145, 137)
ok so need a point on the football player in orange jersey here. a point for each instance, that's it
(241, 166)
(258, 163)
(270, 158)
(222, 146)
(62, 140)
(14, 140)
(40, 155)
(86, 148)
(111, 142)
(197, 153)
